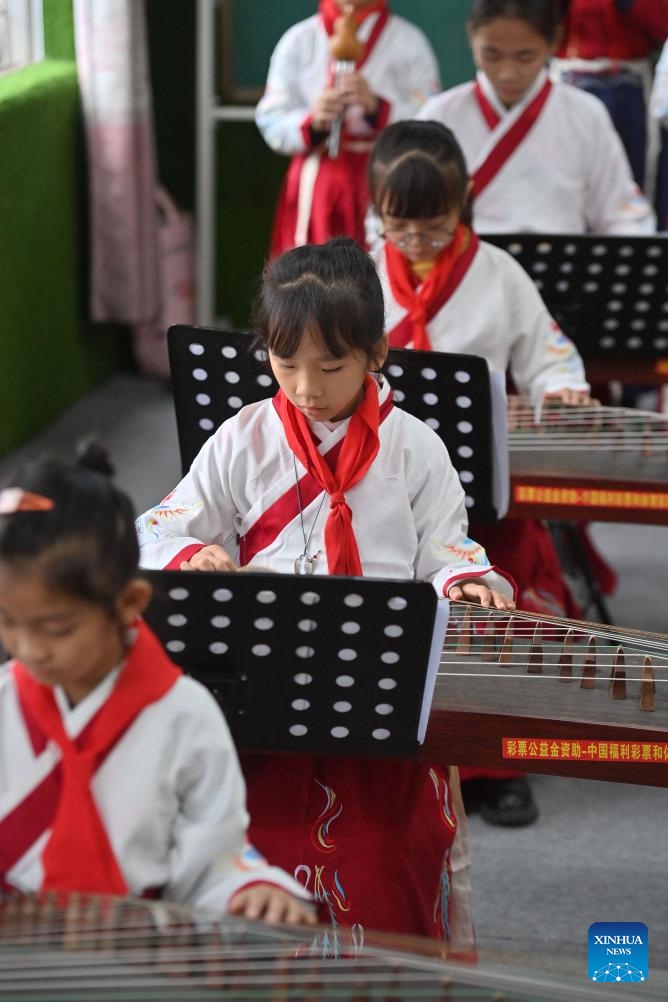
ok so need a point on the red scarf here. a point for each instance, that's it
(78, 855)
(416, 297)
(358, 452)
(511, 139)
(330, 12)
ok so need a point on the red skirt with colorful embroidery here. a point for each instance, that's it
(370, 838)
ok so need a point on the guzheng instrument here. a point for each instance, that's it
(106, 949)
(346, 49)
(588, 463)
(553, 695)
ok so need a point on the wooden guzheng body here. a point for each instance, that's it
(586, 700)
(112, 949)
(590, 463)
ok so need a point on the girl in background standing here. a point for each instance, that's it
(325, 195)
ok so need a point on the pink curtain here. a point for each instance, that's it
(113, 69)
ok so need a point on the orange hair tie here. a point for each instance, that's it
(13, 499)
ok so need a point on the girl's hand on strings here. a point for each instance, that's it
(573, 398)
(273, 905)
(354, 89)
(209, 558)
(328, 106)
(476, 591)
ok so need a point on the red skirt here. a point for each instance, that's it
(335, 206)
(369, 838)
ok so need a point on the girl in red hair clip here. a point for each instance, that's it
(89, 695)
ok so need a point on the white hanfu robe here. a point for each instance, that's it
(170, 794)
(409, 515)
(326, 197)
(569, 174)
(495, 312)
(381, 843)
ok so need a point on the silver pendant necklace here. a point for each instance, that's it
(305, 562)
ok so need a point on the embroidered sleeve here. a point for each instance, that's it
(198, 511)
(445, 553)
(613, 203)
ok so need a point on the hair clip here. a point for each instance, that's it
(13, 499)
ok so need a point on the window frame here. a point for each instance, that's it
(24, 27)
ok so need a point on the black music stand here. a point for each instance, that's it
(324, 665)
(608, 293)
(214, 373)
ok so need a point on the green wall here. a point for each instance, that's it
(49, 353)
(441, 20)
(48, 356)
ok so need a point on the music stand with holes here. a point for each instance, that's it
(609, 294)
(321, 665)
(214, 373)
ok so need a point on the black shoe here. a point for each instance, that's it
(507, 802)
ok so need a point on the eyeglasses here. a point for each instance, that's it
(435, 237)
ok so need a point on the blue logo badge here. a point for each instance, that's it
(617, 952)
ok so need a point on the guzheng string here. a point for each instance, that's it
(518, 640)
(582, 428)
(114, 949)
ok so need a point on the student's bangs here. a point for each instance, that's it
(542, 15)
(326, 311)
(331, 291)
(417, 187)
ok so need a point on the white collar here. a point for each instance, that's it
(517, 108)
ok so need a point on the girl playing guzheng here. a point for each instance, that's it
(329, 478)
(335, 80)
(446, 290)
(543, 157)
(118, 774)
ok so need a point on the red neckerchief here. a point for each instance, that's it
(419, 298)
(511, 139)
(271, 523)
(78, 855)
(359, 449)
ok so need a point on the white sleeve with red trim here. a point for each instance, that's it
(445, 554)
(198, 512)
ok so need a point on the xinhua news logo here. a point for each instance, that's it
(617, 952)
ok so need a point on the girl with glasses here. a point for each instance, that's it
(446, 290)
(309, 96)
(543, 157)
